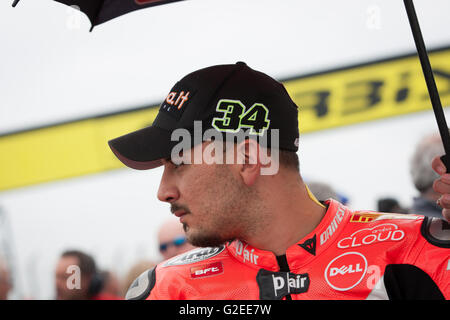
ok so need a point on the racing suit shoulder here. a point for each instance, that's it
(417, 261)
(172, 276)
(164, 281)
(434, 256)
(142, 286)
(203, 273)
(400, 230)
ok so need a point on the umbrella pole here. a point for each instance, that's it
(429, 79)
(15, 3)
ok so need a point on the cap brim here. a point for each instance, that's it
(143, 149)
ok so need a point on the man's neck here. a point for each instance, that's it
(294, 214)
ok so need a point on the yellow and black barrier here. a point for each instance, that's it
(328, 99)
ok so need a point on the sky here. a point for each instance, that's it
(53, 69)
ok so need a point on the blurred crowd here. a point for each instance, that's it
(422, 176)
(77, 276)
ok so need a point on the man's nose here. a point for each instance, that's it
(167, 192)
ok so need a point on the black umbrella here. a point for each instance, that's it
(429, 79)
(99, 11)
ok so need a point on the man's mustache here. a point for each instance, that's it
(175, 207)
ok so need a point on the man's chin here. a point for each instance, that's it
(201, 239)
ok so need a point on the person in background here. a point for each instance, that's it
(390, 205)
(77, 278)
(423, 176)
(135, 271)
(5, 281)
(323, 191)
(172, 240)
(111, 283)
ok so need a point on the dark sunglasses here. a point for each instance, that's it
(177, 242)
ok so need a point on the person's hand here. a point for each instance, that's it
(442, 186)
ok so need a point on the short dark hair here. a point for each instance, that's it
(289, 159)
(387, 204)
(85, 262)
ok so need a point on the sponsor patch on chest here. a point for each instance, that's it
(276, 285)
(193, 256)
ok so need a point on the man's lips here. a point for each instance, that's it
(178, 210)
(179, 213)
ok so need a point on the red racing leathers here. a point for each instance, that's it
(350, 255)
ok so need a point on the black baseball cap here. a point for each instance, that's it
(227, 98)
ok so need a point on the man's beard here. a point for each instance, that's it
(230, 218)
(233, 216)
(206, 239)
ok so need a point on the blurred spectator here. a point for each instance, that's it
(111, 283)
(134, 272)
(77, 278)
(343, 199)
(323, 191)
(390, 205)
(5, 281)
(423, 176)
(172, 240)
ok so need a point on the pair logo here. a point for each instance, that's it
(248, 254)
(276, 285)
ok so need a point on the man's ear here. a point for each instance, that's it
(248, 159)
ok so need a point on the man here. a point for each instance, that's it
(390, 205)
(172, 240)
(135, 270)
(5, 281)
(111, 284)
(442, 187)
(77, 278)
(227, 138)
(322, 191)
(423, 176)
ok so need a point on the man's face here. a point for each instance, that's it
(172, 240)
(210, 199)
(65, 291)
